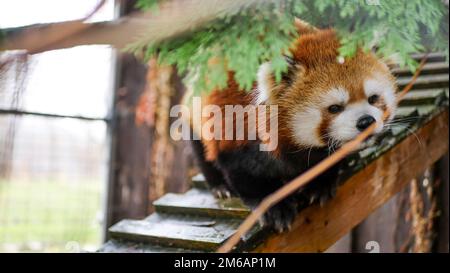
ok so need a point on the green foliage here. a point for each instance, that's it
(242, 40)
(146, 4)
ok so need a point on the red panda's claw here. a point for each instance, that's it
(281, 216)
(221, 192)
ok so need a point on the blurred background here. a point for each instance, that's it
(53, 155)
(79, 136)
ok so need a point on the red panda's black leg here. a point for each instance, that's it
(321, 189)
(281, 215)
(254, 175)
(253, 189)
(214, 177)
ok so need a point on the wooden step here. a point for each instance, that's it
(425, 81)
(202, 203)
(199, 182)
(427, 96)
(423, 110)
(405, 112)
(123, 246)
(164, 233)
(181, 231)
(220, 224)
(429, 68)
(431, 57)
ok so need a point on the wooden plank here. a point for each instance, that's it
(173, 231)
(442, 238)
(423, 110)
(318, 228)
(120, 246)
(130, 147)
(431, 57)
(199, 182)
(429, 68)
(425, 82)
(200, 202)
(182, 235)
(406, 112)
(420, 97)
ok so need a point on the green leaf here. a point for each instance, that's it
(242, 40)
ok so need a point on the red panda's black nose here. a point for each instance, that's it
(364, 122)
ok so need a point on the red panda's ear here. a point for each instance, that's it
(268, 90)
(295, 69)
(265, 83)
(289, 60)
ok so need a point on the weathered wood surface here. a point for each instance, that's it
(201, 202)
(204, 235)
(316, 229)
(130, 156)
(442, 244)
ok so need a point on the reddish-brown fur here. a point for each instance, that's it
(316, 71)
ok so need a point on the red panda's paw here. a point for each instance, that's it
(281, 216)
(321, 193)
(221, 192)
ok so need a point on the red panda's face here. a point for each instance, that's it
(330, 104)
(324, 101)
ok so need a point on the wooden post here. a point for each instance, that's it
(442, 240)
(130, 158)
(145, 162)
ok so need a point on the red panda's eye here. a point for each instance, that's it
(373, 99)
(335, 108)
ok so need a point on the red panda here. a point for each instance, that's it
(323, 102)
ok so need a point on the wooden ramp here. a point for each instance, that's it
(197, 222)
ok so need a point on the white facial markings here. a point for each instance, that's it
(306, 122)
(337, 96)
(343, 127)
(264, 87)
(304, 127)
(384, 88)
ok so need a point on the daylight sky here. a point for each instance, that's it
(74, 81)
(15, 13)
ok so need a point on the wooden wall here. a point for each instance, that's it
(400, 225)
(134, 140)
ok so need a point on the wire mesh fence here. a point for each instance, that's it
(53, 150)
(51, 194)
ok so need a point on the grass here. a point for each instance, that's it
(45, 216)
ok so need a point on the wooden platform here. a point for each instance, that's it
(197, 222)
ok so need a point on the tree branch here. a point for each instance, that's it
(173, 18)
